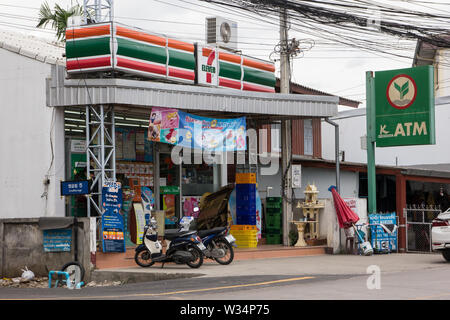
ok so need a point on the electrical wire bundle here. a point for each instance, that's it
(368, 26)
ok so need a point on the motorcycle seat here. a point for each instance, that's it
(204, 233)
(171, 234)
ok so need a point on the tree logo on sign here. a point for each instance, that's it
(401, 91)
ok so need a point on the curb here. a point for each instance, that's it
(135, 277)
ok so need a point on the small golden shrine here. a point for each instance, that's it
(311, 207)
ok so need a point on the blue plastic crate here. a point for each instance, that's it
(245, 197)
(249, 220)
(245, 188)
(247, 206)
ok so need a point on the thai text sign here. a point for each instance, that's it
(72, 188)
(191, 131)
(57, 240)
(113, 238)
(404, 101)
(112, 195)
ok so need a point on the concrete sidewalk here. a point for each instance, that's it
(305, 265)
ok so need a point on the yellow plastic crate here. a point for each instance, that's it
(245, 239)
(242, 227)
(244, 233)
(247, 244)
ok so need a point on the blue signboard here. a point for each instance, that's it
(73, 188)
(383, 232)
(57, 240)
(113, 235)
(112, 195)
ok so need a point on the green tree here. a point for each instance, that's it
(57, 18)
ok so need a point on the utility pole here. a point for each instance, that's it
(286, 150)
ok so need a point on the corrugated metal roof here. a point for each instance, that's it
(33, 47)
(63, 92)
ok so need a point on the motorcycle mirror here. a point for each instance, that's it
(196, 209)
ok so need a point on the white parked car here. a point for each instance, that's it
(440, 234)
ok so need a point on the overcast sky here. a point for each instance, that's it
(339, 70)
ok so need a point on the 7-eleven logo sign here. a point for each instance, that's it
(207, 63)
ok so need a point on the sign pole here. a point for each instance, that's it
(370, 117)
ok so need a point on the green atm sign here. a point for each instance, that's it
(404, 107)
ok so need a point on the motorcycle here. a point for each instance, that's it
(219, 244)
(184, 247)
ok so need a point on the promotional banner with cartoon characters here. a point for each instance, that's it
(180, 128)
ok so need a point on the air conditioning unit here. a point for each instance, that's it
(221, 32)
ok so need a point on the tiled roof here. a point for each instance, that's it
(40, 49)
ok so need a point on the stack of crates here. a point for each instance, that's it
(246, 198)
(274, 215)
(245, 235)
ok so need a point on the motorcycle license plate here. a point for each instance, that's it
(230, 238)
(201, 246)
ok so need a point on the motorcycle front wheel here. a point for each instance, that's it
(143, 258)
(229, 252)
(198, 257)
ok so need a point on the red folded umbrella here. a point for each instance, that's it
(346, 216)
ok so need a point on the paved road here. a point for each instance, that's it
(336, 277)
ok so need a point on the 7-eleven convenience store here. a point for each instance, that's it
(116, 75)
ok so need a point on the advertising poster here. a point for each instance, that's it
(112, 196)
(140, 221)
(383, 232)
(180, 128)
(147, 198)
(163, 125)
(113, 238)
(212, 134)
(189, 204)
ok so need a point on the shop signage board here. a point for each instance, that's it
(169, 190)
(383, 232)
(117, 47)
(219, 68)
(114, 46)
(58, 240)
(296, 176)
(207, 66)
(72, 188)
(404, 107)
(112, 196)
(113, 233)
(180, 128)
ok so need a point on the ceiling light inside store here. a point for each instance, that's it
(74, 119)
(129, 125)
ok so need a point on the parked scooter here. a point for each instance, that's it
(184, 247)
(219, 244)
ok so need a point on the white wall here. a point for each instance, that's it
(25, 131)
(352, 127)
(323, 178)
(443, 73)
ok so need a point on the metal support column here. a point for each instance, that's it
(100, 152)
(336, 154)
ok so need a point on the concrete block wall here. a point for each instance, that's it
(21, 244)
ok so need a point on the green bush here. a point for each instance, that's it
(293, 237)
